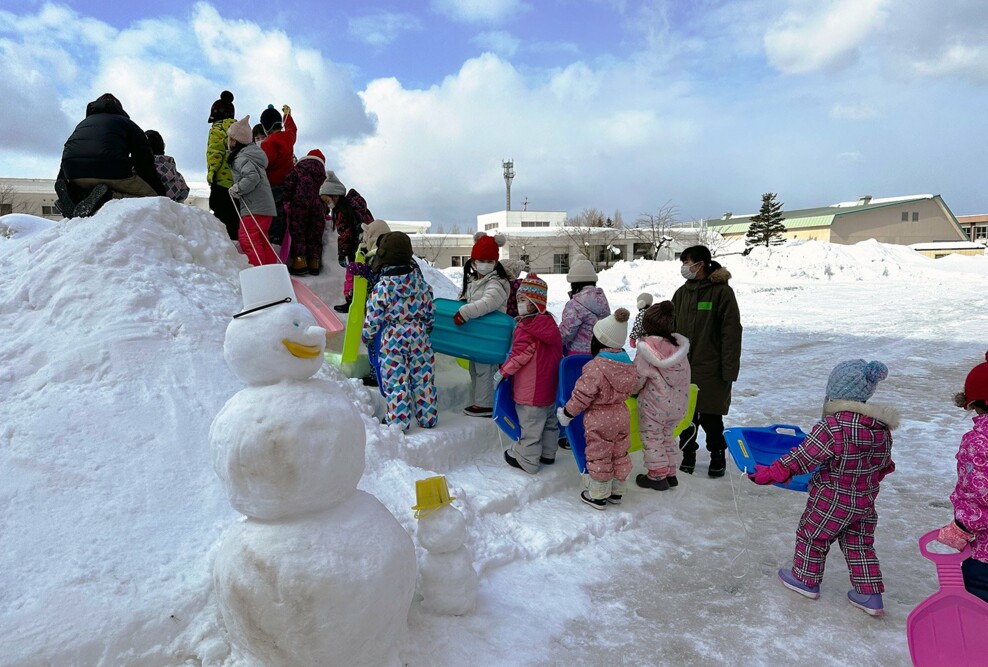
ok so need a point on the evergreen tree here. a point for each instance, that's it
(766, 228)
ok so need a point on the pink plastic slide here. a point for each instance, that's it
(325, 317)
(951, 626)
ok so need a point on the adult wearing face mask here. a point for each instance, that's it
(485, 289)
(706, 313)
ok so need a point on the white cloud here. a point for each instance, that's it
(854, 111)
(382, 28)
(850, 157)
(479, 11)
(827, 34)
(500, 42)
(956, 59)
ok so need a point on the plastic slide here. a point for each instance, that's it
(636, 438)
(762, 446)
(355, 317)
(325, 317)
(505, 414)
(484, 340)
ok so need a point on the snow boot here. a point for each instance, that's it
(718, 464)
(597, 504)
(298, 267)
(546, 461)
(477, 411)
(563, 443)
(689, 462)
(343, 307)
(673, 482)
(647, 482)
(64, 202)
(869, 603)
(314, 267)
(790, 581)
(614, 498)
(98, 196)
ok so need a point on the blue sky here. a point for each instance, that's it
(619, 105)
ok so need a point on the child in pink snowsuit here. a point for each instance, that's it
(852, 445)
(601, 391)
(970, 496)
(663, 388)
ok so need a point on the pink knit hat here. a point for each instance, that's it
(241, 131)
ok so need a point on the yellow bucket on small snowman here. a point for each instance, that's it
(431, 493)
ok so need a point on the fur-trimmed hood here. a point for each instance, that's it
(648, 353)
(720, 275)
(883, 413)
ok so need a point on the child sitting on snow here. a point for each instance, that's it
(852, 445)
(587, 304)
(176, 188)
(644, 301)
(970, 496)
(401, 308)
(663, 389)
(485, 289)
(536, 350)
(600, 392)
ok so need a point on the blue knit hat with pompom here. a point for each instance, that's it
(855, 380)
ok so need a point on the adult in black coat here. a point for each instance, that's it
(108, 147)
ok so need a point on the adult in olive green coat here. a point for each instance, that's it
(707, 314)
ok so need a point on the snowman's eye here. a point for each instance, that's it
(296, 324)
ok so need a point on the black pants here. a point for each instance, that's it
(713, 429)
(222, 207)
(976, 577)
(276, 232)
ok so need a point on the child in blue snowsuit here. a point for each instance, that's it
(401, 308)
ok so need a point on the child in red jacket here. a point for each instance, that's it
(536, 351)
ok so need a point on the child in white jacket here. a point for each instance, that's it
(485, 289)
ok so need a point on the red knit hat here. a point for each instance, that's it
(975, 386)
(486, 248)
(316, 153)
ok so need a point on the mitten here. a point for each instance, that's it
(564, 419)
(770, 474)
(954, 536)
(235, 191)
(458, 319)
(286, 110)
(497, 378)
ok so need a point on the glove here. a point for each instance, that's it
(954, 536)
(564, 419)
(458, 319)
(235, 191)
(770, 474)
(497, 378)
(286, 110)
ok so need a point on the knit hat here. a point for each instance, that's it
(513, 267)
(644, 300)
(612, 330)
(156, 141)
(222, 108)
(659, 320)
(394, 249)
(582, 271)
(535, 290)
(332, 185)
(975, 386)
(486, 248)
(240, 131)
(316, 153)
(855, 380)
(270, 119)
(372, 232)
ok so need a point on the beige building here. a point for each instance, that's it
(36, 196)
(975, 226)
(917, 219)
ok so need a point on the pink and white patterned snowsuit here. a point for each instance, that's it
(663, 394)
(970, 496)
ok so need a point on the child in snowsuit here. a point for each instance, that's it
(970, 496)
(279, 146)
(536, 350)
(485, 289)
(218, 174)
(252, 190)
(370, 233)
(644, 301)
(600, 392)
(587, 304)
(305, 213)
(663, 390)
(401, 308)
(349, 211)
(176, 188)
(852, 445)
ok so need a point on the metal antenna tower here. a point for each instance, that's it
(509, 174)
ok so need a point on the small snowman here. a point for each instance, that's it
(448, 581)
(317, 573)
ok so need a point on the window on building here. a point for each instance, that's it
(50, 210)
(458, 260)
(915, 216)
(980, 232)
(6, 209)
(490, 225)
(534, 223)
(560, 262)
(905, 216)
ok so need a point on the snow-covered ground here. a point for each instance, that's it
(111, 370)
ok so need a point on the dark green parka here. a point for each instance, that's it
(707, 314)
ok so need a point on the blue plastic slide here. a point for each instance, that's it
(762, 446)
(484, 340)
(570, 370)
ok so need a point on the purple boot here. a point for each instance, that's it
(790, 581)
(869, 603)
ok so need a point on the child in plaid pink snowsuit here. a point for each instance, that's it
(852, 448)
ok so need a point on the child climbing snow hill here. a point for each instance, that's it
(485, 289)
(663, 388)
(533, 363)
(852, 445)
(600, 393)
(401, 308)
(970, 496)
(253, 193)
(305, 213)
(586, 306)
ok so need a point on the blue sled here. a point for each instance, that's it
(505, 413)
(374, 358)
(484, 340)
(570, 370)
(763, 446)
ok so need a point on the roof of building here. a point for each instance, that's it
(947, 245)
(972, 219)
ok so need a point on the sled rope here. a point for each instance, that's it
(736, 492)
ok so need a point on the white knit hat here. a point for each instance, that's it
(581, 272)
(644, 300)
(612, 330)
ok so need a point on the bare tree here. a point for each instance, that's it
(618, 219)
(590, 231)
(709, 237)
(528, 249)
(430, 246)
(654, 228)
(10, 202)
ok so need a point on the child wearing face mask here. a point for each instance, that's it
(586, 306)
(536, 350)
(485, 289)
(252, 191)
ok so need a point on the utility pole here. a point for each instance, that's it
(509, 175)
(525, 203)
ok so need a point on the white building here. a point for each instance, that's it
(505, 221)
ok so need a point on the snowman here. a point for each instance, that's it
(317, 573)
